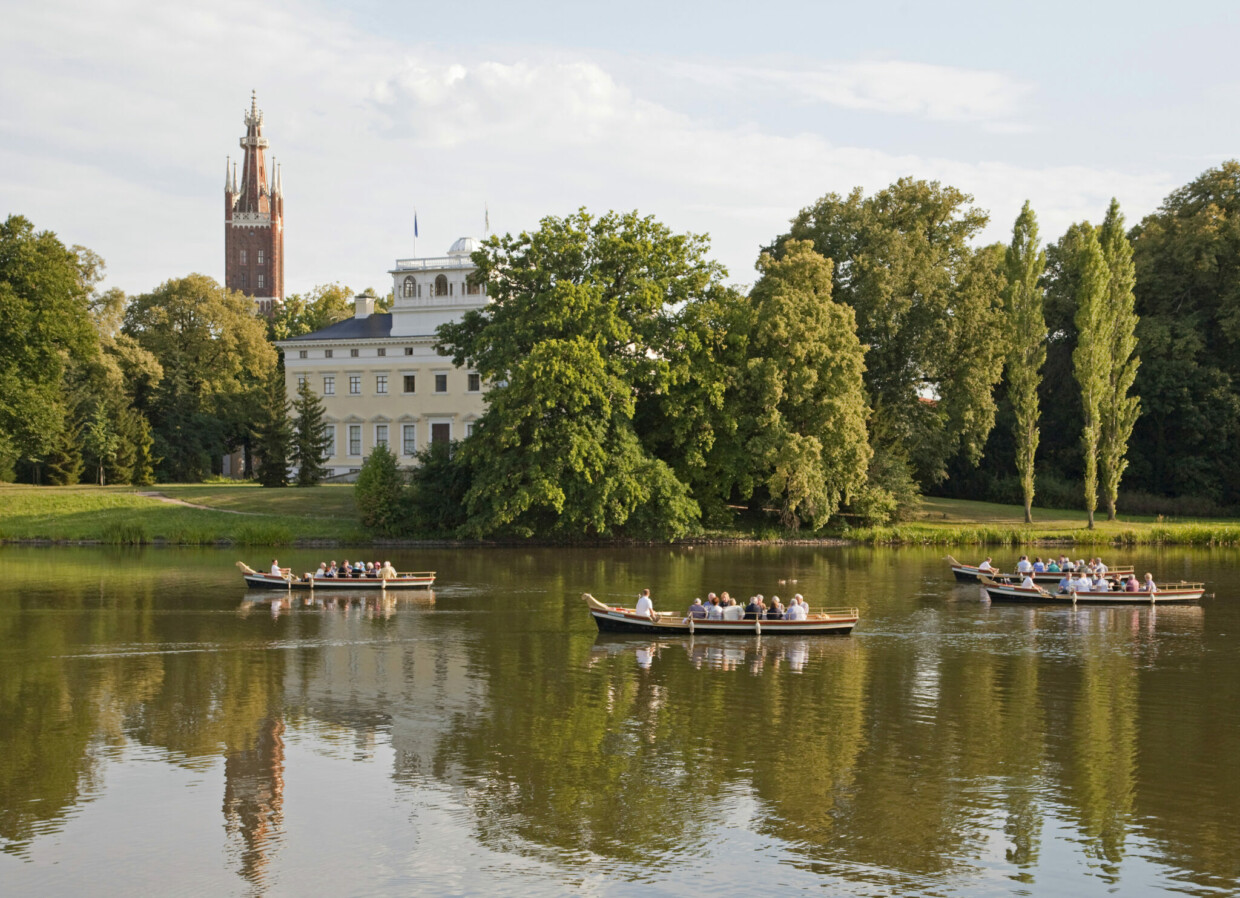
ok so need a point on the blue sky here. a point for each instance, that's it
(724, 118)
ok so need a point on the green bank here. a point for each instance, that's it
(191, 515)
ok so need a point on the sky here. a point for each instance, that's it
(722, 118)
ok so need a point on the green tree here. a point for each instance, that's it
(274, 437)
(924, 301)
(215, 360)
(380, 493)
(806, 433)
(44, 321)
(438, 488)
(322, 307)
(1119, 410)
(1025, 334)
(62, 463)
(579, 332)
(144, 454)
(100, 440)
(311, 441)
(1091, 360)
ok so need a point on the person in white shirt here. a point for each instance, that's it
(645, 606)
(1101, 568)
(322, 571)
(1023, 566)
(1082, 584)
(804, 612)
(1100, 584)
(985, 566)
(1027, 583)
(275, 569)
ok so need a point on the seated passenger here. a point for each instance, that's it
(645, 606)
(1052, 567)
(714, 611)
(1082, 583)
(753, 611)
(387, 572)
(776, 611)
(697, 610)
(733, 612)
(1023, 566)
(322, 571)
(275, 569)
(1100, 584)
(1028, 583)
(1131, 584)
(1100, 567)
(986, 567)
(1038, 566)
(1148, 585)
(345, 569)
(1066, 583)
(804, 606)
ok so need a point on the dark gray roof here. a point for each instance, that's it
(372, 327)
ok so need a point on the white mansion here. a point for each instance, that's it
(378, 374)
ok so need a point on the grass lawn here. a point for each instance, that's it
(117, 514)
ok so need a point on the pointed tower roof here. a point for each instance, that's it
(254, 194)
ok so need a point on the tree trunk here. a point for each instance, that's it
(1091, 519)
(1028, 512)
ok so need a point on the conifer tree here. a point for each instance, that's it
(1091, 360)
(1026, 338)
(1119, 410)
(275, 433)
(63, 464)
(144, 455)
(310, 442)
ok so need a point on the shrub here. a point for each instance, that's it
(380, 494)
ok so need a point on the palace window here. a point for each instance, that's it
(355, 385)
(329, 431)
(475, 382)
(329, 385)
(355, 439)
(382, 351)
(352, 353)
(408, 350)
(409, 439)
(469, 428)
(441, 432)
(410, 383)
(441, 286)
(301, 353)
(380, 383)
(441, 383)
(327, 353)
(409, 288)
(301, 381)
(473, 289)
(381, 434)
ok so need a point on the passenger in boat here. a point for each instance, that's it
(1028, 583)
(753, 611)
(322, 571)
(1148, 585)
(1065, 583)
(387, 572)
(697, 610)
(1052, 567)
(1131, 584)
(986, 567)
(714, 611)
(645, 606)
(1039, 567)
(776, 611)
(1023, 566)
(370, 569)
(1082, 582)
(733, 611)
(1100, 584)
(725, 600)
(804, 606)
(275, 569)
(1100, 567)
(345, 569)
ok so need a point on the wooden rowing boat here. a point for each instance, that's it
(403, 580)
(970, 573)
(1173, 594)
(614, 619)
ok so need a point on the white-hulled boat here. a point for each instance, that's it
(614, 619)
(403, 580)
(1171, 594)
(971, 573)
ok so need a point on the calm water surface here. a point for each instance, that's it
(160, 730)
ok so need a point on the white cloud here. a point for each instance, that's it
(116, 119)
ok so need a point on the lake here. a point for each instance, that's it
(161, 730)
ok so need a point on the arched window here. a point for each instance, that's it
(473, 289)
(441, 286)
(410, 287)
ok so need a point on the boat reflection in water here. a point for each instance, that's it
(718, 653)
(372, 604)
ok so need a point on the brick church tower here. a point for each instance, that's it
(254, 220)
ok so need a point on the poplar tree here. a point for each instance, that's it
(1026, 340)
(1119, 410)
(1091, 360)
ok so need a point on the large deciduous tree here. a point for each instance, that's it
(805, 430)
(1119, 409)
(45, 326)
(579, 331)
(215, 360)
(1024, 332)
(925, 303)
(304, 314)
(1091, 360)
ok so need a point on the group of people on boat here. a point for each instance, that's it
(724, 607)
(375, 569)
(1083, 582)
(1063, 564)
(1078, 576)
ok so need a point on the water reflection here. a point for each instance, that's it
(948, 745)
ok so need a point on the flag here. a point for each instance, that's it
(487, 215)
(415, 222)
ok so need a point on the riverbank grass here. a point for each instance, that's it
(121, 516)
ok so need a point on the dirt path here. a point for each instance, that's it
(162, 498)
